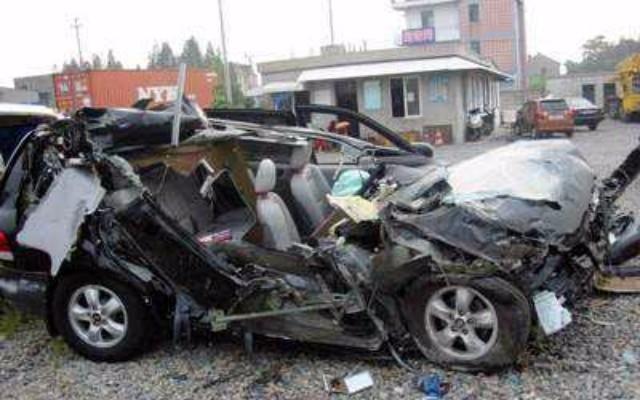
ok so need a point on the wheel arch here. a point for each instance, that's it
(156, 294)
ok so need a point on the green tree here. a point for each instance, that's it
(165, 57)
(71, 66)
(96, 62)
(153, 57)
(191, 54)
(213, 61)
(599, 54)
(112, 62)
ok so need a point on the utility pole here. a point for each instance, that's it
(76, 26)
(227, 68)
(175, 132)
(333, 37)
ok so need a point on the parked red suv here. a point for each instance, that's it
(544, 117)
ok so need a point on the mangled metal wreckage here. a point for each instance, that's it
(454, 260)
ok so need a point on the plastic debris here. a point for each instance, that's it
(552, 316)
(355, 207)
(630, 357)
(433, 387)
(349, 384)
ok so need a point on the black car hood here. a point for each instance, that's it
(113, 129)
(505, 205)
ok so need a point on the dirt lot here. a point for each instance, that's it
(597, 357)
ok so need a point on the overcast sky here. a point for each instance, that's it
(37, 35)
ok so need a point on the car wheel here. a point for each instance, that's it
(593, 127)
(569, 134)
(100, 318)
(469, 324)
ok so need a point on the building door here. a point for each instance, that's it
(302, 98)
(589, 93)
(609, 91)
(347, 97)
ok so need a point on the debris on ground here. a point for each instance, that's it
(349, 384)
(433, 387)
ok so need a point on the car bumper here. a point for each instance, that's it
(588, 120)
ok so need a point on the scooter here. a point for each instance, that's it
(480, 122)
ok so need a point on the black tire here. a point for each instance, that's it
(138, 327)
(517, 130)
(593, 127)
(569, 134)
(513, 313)
(624, 117)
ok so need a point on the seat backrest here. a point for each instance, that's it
(309, 187)
(279, 230)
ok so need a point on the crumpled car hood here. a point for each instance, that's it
(505, 205)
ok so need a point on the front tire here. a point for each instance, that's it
(593, 127)
(469, 324)
(101, 318)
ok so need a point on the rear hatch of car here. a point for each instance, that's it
(584, 110)
(554, 115)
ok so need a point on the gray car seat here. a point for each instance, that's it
(309, 187)
(279, 230)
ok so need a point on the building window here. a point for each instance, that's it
(372, 95)
(405, 97)
(474, 11)
(439, 89)
(475, 47)
(63, 87)
(427, 19)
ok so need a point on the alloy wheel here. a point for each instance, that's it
(97, 316)
(461, 322)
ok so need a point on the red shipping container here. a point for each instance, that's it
(122, 88)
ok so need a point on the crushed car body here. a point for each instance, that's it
(236, 229)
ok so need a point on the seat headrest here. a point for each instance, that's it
(266, 177)
(300, 157)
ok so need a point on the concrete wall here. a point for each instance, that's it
(451, 112)
(42, 84)
(446, 20)
(501, 33)
(571, 85)
(9, 95)
(442, 49)
(541, 65)
(287, 76)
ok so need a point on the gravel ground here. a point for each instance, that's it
(597, 357)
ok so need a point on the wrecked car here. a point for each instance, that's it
(16, 120)
(114, 243)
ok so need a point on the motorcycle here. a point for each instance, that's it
(480, 122)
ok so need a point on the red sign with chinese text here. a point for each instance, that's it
(412, 37)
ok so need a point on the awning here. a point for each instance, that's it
(397, 68)
(277, 87)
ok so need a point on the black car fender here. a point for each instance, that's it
(157, 295)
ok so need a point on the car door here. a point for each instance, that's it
(21, 283)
